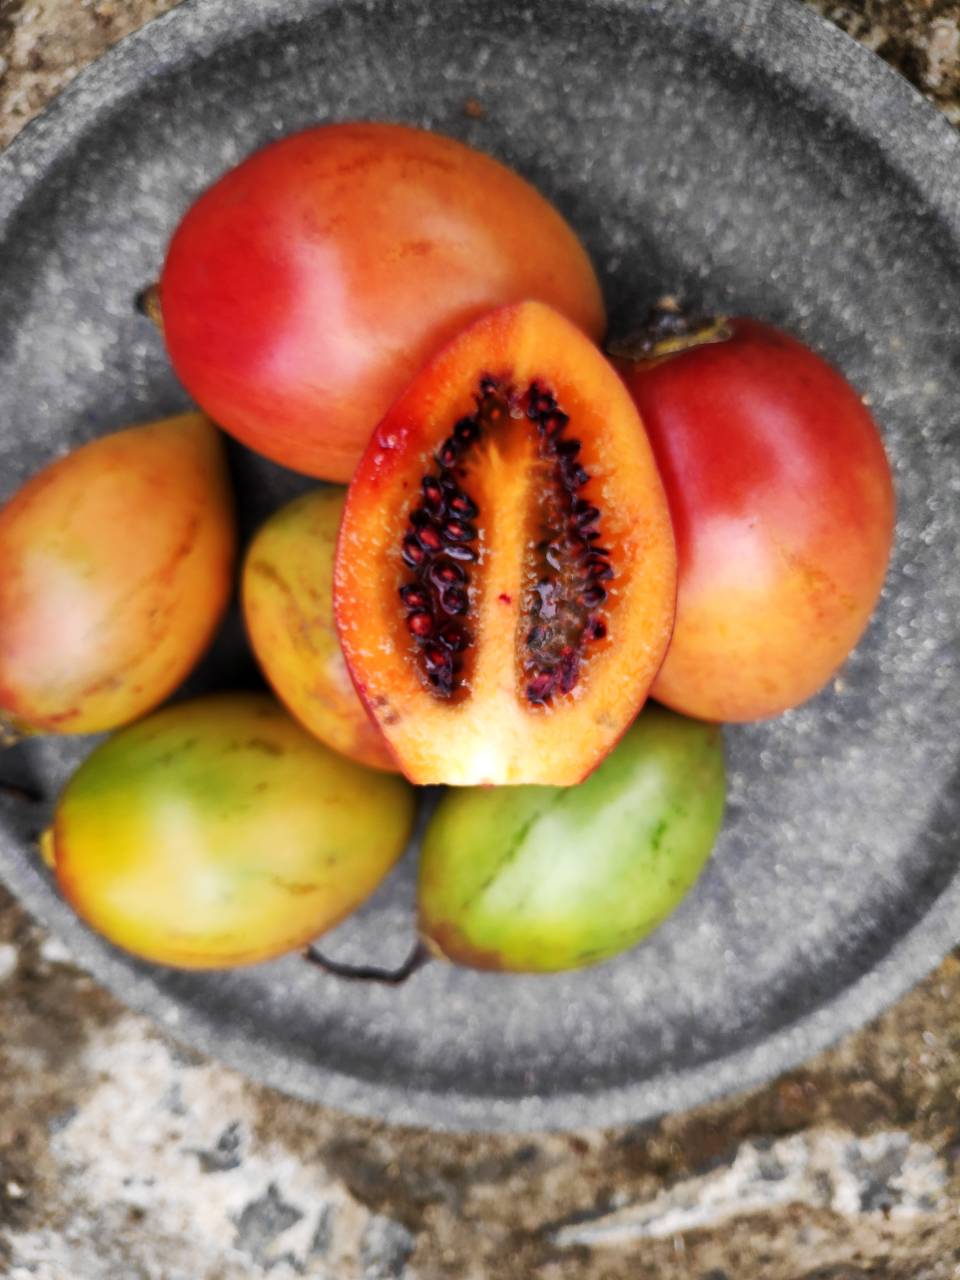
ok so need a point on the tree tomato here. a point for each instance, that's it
(304, 289)
(287, 594)
(783, 510)
(218, 832)
(539, 879)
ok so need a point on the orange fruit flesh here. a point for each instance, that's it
(490, 730)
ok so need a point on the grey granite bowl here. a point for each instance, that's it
(744, 154)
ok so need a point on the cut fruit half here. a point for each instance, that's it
(505, 581)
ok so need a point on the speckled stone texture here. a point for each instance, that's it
(212, 1177)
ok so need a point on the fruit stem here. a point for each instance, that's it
(148, 304)
(668, 329)
(417, 958)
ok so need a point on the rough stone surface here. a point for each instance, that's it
(921, 38)
(121, 1154)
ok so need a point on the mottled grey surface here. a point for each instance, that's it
(746, 156)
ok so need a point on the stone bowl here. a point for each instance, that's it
(746, 156)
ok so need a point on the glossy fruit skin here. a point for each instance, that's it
(287, 592)
(493, 736)
(115, 568)
(218, 832)
(538, 879)
(305, 288)
(783, 509)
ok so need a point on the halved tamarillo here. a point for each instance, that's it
(505, 579)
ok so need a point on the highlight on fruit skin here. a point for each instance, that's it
(541, 879)
(304, 289)
(218, 832)
(782, 504)
(287, 593)
(116, 564)
(505, 576)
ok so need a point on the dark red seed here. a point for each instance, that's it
(454, 637)
(462, 505)
(454, 601)
(414, 598)
(553, 424)
(420, 624)
(540, 403)
(488, 386)
(599, 570)
(460, 551)
(430, 538)
(593, 596)
(444, 574)
(595, 630)
(568, 679)
(419, 517)
(467, 430)
(540, 687)
(435, 658)
(449, 452)
(584, 513)
(459, 531)
(568, 673)
(432, 493)
(536, 637)
(412, 552)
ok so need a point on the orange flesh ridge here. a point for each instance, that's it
(492, 734)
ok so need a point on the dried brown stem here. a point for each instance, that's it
(417, 958)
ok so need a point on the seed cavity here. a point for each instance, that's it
(439, 545)
(563, 596)
(564, 592)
